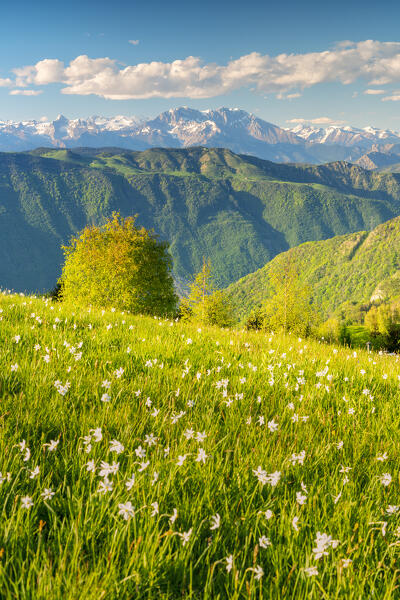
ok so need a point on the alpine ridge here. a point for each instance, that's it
(184, 127)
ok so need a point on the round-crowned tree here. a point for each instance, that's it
(119, 265)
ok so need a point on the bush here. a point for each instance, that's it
(330, 330)
(383, 323)
(255, 320)
(119, 265)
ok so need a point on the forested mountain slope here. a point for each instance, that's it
(357, 267)
(237, 210)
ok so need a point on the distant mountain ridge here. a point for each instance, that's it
(183, 127)
(238, 210)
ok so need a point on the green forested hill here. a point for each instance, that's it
(238, 210)
(353, 267)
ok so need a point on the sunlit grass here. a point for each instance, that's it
(221, 404)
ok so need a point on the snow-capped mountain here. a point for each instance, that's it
(231, 128)
(346, 136)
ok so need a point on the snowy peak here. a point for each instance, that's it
(345, 135)
(182, 127)
(190, 126)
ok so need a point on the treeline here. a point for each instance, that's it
(123, 266)
(291, 307)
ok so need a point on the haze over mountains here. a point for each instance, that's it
(184, 127)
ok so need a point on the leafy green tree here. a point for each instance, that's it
(119, 265)
(330, 330)
(206, 304)
(289, 307)
(383, 323)
(371, 321)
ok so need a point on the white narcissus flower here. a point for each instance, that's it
(47, 494)
(385, 479)
(105, 486)
(35, 472)
(229, 563)
(382, 457)
(96, 434)
(301, 498)
(186, 536)
(26, 502)
(258, 572)
(130, 482)
(392, 509)
(116, 446)
(272, 426)
(346, 562)
(140, 452)
(126, 510)
(91, 466)
(52, 445)
(174, 516)
(264, 542)
(215, 522)
(201, 456)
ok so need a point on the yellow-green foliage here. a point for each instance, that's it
(383, 322)
(119, 265)
(205, 304)
(343, 273)
(330, 330)
(288, 309)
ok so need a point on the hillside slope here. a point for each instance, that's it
(238, 210)
(354, 267)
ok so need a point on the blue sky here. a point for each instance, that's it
(237, 59)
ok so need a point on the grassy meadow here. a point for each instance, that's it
(144, 458)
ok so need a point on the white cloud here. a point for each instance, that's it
(394, 97)
(25, 92)
(317, 121)
(5, 82)
(374, 92)
(285, 75)
(44, 72)
(133, 42)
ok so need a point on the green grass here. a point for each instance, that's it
(77, 546)
(359, 335)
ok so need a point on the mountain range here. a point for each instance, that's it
(238, 210)
(184, 127)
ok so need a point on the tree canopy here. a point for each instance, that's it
(206, 304)
(288, 308)
(119, 265)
